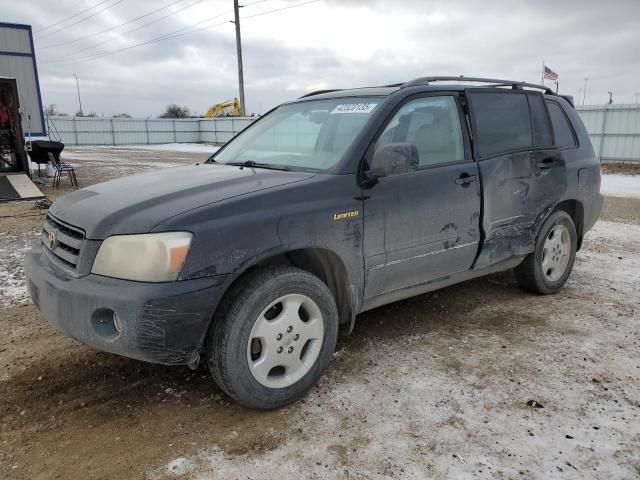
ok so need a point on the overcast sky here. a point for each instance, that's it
(325, 44)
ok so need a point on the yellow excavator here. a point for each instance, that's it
(231, 106)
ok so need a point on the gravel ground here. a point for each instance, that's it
(479, 380)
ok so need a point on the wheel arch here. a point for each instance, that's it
(575, 209)
(327, 265)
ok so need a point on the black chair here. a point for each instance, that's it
(41, 148)
(61, 169)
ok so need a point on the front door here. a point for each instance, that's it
(423, 225)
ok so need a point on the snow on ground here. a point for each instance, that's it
(13, 246)
(620, 185)
(172, 147)
(451, 402)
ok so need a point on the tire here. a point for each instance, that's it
(263, 350)
(547, 269)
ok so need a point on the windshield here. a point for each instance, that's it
(310, 135)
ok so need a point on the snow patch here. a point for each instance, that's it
(171, 147)
(13, 289)
(616, 185)
(180, 466)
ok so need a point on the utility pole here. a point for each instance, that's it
(78, 87)
(637, 94)
(584, 92)
(236, 10)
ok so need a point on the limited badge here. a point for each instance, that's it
(351, 214)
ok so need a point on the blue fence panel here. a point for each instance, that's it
(614, 131)
(144, 131)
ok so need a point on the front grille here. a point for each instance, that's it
(62, 242)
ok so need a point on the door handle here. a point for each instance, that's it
(549, 162)
(465, 179)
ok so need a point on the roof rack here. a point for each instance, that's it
(423, 81)
(318, 92)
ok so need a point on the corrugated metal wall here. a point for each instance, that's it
(614, 131)
(144, 131)
(221, 130)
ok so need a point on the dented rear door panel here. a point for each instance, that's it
(519, 190)
(519, 187)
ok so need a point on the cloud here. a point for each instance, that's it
(335, 43)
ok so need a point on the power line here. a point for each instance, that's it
(80, 21)
(167, 36)
(255, 15)
(72, 16)
(253, 3)
(180, 33)
(110, 29)
(279, 9)
(140, 27)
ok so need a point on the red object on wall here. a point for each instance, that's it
(4, 115)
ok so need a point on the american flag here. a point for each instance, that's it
(550, 74)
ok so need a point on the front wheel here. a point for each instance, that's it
(547, 269)
(273, 337)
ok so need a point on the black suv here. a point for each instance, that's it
(330, 205)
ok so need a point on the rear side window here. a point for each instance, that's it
(502, 122)
(539, 121)
(561, 127)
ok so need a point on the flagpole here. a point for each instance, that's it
(542, 74)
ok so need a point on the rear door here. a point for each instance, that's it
(424, 224)
(523, 174)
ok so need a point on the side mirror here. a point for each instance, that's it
(393, 159)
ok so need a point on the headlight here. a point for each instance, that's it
(150, 257)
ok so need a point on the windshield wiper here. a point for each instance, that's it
(252, 164)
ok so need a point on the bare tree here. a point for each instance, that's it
(52, 111)
(122, 115)
(176, 111)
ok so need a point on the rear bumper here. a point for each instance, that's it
(592, 213)
(156, 322)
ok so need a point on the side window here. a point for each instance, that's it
(539, 121)
(561, 128)
(432, 124)
(502, 122)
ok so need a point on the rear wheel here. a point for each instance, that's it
(547, 269)
(273, 337)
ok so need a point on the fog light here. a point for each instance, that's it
(106, 323)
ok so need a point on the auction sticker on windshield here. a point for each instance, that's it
(354, 108)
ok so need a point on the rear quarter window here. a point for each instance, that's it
(564, 134)
(540, 121)
(502, 122)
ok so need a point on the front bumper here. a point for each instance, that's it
(156, 322)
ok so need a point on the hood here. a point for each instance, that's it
(137, 203)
